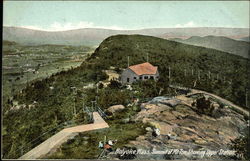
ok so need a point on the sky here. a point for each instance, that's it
(124, 15)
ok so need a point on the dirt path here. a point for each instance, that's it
(195, 91)
(238, 108)
(59, 138)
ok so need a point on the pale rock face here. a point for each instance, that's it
(189, 130)
(116, 108)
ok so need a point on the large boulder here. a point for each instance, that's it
(115, 108)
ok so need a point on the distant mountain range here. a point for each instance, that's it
(225, 44)
(245, 39)
(94, 36)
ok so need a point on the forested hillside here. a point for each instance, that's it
(214, 71)
(232, 71)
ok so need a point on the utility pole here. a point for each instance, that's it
(12, 89)
(199, 75)
(93, 105)
(246, 98)
(128, 61)
(27, 83)
(83, 107)
(74, 93)
(96, 99)
(169, 74)
(209, 74)
(27, 78)
(22, 151)
(147, 57)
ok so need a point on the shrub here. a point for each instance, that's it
(115, 84)
(204, 106)
(242, 147)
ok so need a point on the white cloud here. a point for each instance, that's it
(56, 26)
(112, 27)
(33, 27)
(189, 24)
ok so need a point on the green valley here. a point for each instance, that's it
(22, 63)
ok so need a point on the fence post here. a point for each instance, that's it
(21, 150)
(104, 141)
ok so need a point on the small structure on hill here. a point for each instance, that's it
(137, 72)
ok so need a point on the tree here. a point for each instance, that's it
(114, 84)
(242, 147)
(100, 86)
(204, 106)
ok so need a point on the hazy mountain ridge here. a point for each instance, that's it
(225, 44)
(247, 39)
(94, 36)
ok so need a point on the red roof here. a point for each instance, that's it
(144, 68)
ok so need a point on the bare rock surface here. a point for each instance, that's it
(188, 129)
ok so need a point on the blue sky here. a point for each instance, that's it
(66, 15)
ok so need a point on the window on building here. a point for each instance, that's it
(151, 77)
(134, 77)
(145, 77)
(140, 77)
(127, 79)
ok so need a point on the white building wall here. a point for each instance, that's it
(128, 76)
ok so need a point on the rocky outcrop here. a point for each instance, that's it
(188, 129)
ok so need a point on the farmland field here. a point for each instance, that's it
(28, 63)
